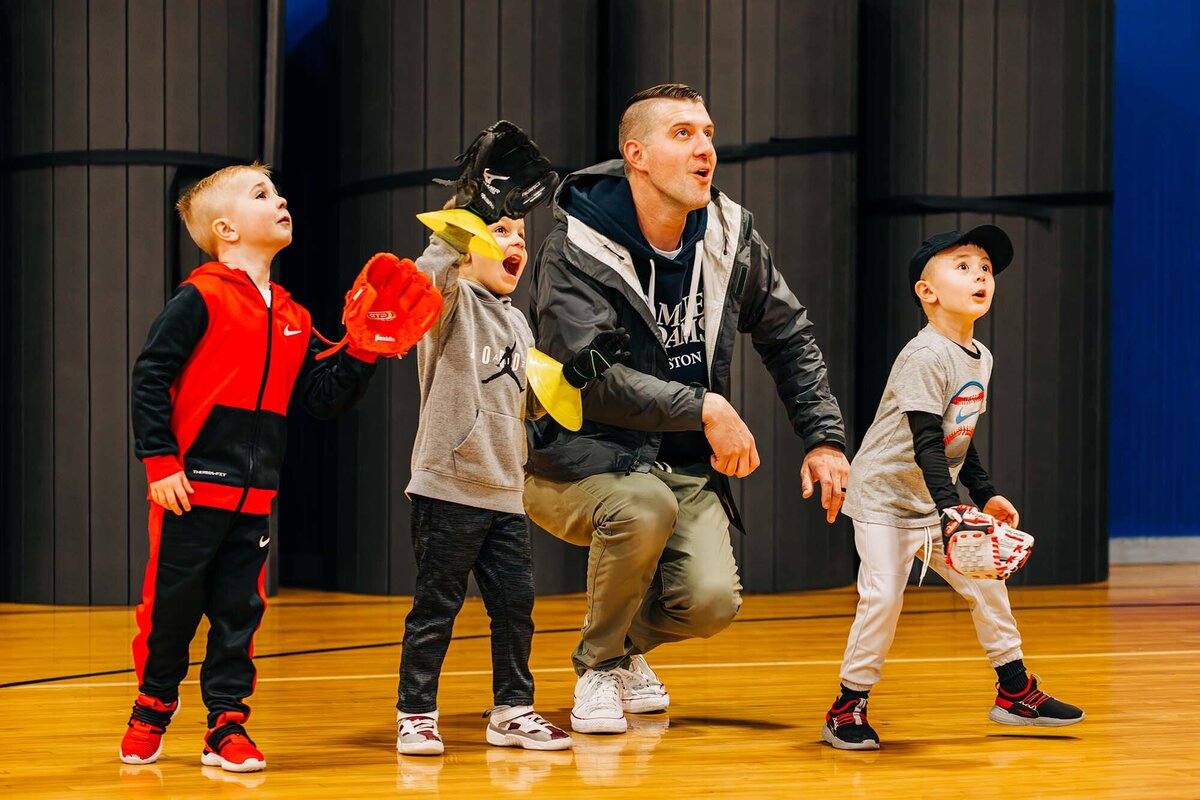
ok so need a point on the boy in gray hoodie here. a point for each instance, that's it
(469, 455)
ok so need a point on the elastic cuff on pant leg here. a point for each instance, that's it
(858, 687)
(1005, 658)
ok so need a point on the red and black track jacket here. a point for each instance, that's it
(212, 385)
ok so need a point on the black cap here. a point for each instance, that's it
(994, 242)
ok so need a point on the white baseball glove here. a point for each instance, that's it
(978, 546)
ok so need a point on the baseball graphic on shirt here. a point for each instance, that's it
(960, 420)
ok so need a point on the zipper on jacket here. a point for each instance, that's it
(262, 389)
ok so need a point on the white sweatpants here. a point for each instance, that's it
(887, 557)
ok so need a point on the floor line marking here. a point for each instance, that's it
(658, 667)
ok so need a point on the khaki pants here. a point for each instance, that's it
(661, 567)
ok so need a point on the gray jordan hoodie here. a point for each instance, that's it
(470, 446)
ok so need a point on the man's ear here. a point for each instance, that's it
(224, 230)
(634, 153)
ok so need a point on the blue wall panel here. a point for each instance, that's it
(1155, 269)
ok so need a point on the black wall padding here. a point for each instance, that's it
(1006, 103)
(109, 108)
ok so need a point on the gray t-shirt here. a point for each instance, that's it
(931, 374)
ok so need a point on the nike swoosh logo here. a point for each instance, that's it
(961, 417)
(490, 176)
(262, 542)
(287, 331)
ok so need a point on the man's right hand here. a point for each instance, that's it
(733, 447)
(172, 492)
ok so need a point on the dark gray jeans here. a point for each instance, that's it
(451, 541)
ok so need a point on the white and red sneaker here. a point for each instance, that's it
(521, 726)
(417, 734)
(228, 746)
(142, 742)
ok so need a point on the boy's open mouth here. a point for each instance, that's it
(512, 265)
(981, 294)
(702, 173)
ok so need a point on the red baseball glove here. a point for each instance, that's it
(389, 308)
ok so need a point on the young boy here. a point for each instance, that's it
(469, 455)
(210, 392)
(902, 484)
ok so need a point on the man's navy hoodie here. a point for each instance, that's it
(672, 286)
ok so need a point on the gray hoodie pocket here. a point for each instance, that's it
(493, 453)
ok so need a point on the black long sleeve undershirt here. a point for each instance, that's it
(930, 454)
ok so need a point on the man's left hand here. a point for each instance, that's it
(828, 466)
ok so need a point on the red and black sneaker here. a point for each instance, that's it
(1032, 706)
(142, 742)
(228, 746)
(846, 726)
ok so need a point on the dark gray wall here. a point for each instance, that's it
(89, 255)
(982, 98)
(410, 108)
(768, 70)
(971, 98)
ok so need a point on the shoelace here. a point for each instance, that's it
(1035, 698)
(601, 692)
(856, 715)
(535, 719)
(144, 716)
(418, 725)
(227, 734)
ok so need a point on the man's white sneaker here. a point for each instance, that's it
(598, 703)
(641, 690)
(417, 734)
(521, 726)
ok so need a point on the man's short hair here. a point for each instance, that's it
(202, 203)
(634, 116)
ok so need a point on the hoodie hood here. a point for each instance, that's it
(600, 197)
(240, 277)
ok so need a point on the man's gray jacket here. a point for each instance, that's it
(584, 282)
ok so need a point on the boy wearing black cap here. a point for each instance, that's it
(902, 486)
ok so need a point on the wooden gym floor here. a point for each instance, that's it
(744, 722)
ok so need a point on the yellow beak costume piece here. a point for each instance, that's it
(482, 241)
(561, 400)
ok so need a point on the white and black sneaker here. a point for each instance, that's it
(1032, 706)
(598, 703)
(846, 726)
(641, 690)
(521, 726)
(417, 734)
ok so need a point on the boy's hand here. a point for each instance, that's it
(1003, 511)
(172, 492)
(597, 357)
(828, 466)
(456, 237)
(734, 451)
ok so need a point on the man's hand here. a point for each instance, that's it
(733, 447)
(1003, 511)
(172, 492)
(828, 466)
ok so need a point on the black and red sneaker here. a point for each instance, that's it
(1032, 706)
(228, 746)
(846, 726)
(142, 742)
